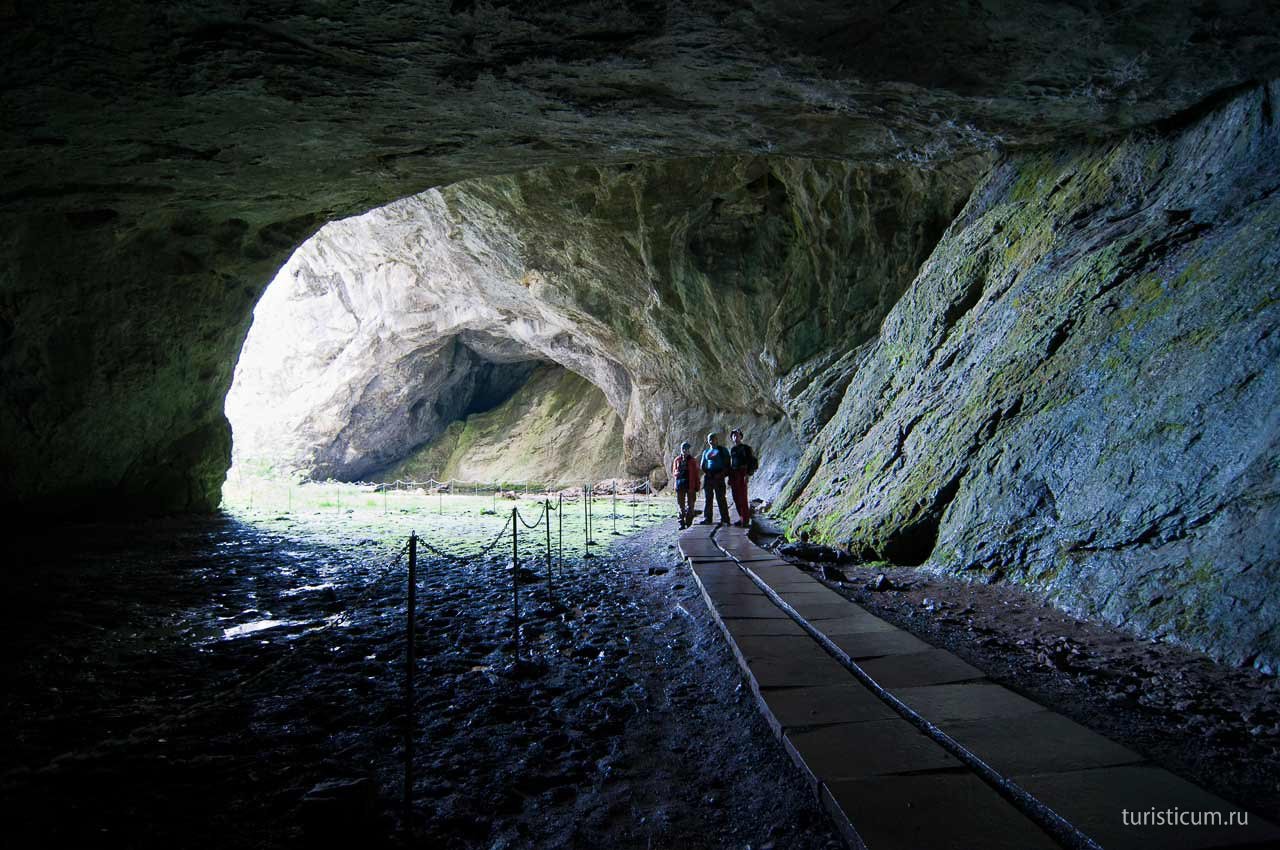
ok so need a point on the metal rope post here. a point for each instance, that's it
(409, 664)
(560, 542)
(586, 524)
(515, 577)
(546, 512)
(615, 508)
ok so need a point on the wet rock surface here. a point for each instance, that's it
(187, 684)
(1080, 390)
(1219, 727)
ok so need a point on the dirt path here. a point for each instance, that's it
(212, 684)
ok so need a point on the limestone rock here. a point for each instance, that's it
(1081, 389)
(557, 429)
(696, 295)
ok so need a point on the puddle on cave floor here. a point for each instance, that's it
(216, 672)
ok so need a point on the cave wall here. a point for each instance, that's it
(1081, 389)
(695, 294)
(556, 429)
(161, 161)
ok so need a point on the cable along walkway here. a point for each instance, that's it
(907, 746)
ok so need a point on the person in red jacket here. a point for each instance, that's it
(742, 465)
(686, 476)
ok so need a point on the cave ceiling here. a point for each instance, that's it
(297, 113)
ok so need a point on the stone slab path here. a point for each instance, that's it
(909, 747)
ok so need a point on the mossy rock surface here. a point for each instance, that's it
(556, 430)
(1080, 390)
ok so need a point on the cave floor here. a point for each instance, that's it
(211, 683)
(1215, 725)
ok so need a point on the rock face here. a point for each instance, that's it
(162, 162)
(556, 429)
(695, 294)
(1081, 389)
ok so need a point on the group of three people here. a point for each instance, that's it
(710, 472)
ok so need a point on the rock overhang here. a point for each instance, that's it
(163, 161)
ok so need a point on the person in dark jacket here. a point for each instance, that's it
(715, 469)
(687, 480)
(742, 465)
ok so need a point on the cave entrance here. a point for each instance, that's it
(374, 355)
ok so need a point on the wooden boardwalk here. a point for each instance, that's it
(910, 748)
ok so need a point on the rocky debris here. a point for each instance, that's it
(340, 809)
(831, 573)
(814, 552)
(294, 738)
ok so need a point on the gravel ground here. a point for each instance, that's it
(214, 683)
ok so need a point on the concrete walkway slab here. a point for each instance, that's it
(760, 626)
(1097, 801)
(760, 607)
(861, 645)
(933, 812)
(824, 610)
(792, 708)
(856, 624)
(694, 547)
(803, 594)
(933, 667)
(779, 646)
(972, 701)
(871, 748)
(782, 672)
(1043, 742)
(714, 569)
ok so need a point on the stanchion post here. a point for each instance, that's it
(515, 577)
(586, 524)
(614, 512)
(409, 665)
(546, 515)
(560, 542)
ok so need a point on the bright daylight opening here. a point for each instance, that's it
(391, 371)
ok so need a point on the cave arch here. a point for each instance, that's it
(660, 290)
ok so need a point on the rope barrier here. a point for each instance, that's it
(535, 524)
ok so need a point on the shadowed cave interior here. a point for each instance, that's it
(991, 291)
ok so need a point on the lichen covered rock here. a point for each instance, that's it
(1081, 390)
(556, 429)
